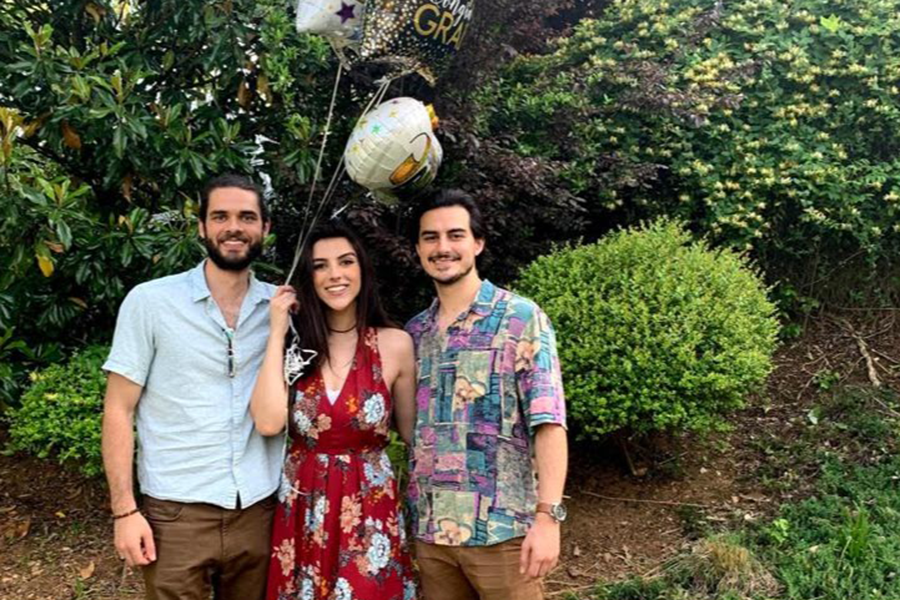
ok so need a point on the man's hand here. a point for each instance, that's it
(134, 540)
(540, 550)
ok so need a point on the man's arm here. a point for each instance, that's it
(539, 380)
(133, 536)
(540, 550)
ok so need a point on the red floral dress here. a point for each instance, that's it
(338, 532)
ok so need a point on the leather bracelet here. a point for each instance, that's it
(126, 514)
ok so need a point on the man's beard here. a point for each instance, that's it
(254, 250)
(453, 278)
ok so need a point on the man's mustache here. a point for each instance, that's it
(233, 236)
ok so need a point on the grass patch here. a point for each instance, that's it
(844, 543)
(849, 424)
(841, 543)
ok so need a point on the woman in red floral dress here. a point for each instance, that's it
(338, 532)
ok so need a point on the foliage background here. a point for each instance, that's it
(766, 127)
(114, 113)
(771, 126)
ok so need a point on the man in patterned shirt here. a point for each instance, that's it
(490, 409)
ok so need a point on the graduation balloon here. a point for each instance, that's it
(393, 148)
(415, 35)
(340, 21)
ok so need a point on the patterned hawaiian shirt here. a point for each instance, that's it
(484, 385)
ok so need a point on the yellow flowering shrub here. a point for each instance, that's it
(771, 126)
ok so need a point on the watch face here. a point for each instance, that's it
(559, 512)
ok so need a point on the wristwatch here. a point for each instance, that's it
(557, 511)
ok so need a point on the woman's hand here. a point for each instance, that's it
(269, 400)
(283, 302)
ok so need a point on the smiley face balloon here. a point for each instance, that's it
(393, 149)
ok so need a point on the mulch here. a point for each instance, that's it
(56, 536)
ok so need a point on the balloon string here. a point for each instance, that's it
(318, 171)
(341, 168)
(308, 225)
(377, 97)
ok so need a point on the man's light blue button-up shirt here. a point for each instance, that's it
(196, 439)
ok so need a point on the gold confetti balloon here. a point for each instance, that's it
(415, 35)
(393, 148)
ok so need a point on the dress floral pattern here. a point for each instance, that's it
(339, 533)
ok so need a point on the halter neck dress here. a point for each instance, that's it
(339, 532)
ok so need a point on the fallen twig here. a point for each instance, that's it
(885, 356)
(569, 590)
(867, 308)
(643, 501)
(882, 331)
(889, 410)
(864, 350)
(870, 364)
(805, 386)
(124, 575)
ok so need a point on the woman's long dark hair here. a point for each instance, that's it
(310, 320)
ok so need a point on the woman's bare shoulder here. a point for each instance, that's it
(394, 340)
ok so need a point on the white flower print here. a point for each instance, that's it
(315, 515)
(319, 516)
(306, 589)
(409, 590)
(376, 476)
(373, 409)
(342, 590)
(302, 421)
(379, 552)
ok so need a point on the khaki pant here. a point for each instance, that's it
(473, 572)
(203, 549)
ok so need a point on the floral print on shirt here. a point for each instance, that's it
(484, 385)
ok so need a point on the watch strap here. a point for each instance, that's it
(544, 507)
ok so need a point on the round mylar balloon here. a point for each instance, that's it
(393, 148)
(339, 21)
(415, 35)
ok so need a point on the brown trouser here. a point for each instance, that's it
(203, 549)
(473, 572)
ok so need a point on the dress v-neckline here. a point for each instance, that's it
(341, 390)
(354, 365)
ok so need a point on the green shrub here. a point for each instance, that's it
(61, 412)
(769, 125)
(655, 332)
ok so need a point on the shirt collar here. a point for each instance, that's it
(484, 301)
(482, 306)
(200, 289)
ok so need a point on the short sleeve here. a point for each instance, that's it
(133, 344)
(538, 374)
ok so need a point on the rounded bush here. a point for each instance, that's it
(656, 332)
(61, 412)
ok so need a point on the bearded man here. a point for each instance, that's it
(183, 362)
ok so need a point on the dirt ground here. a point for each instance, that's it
(55, 533)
